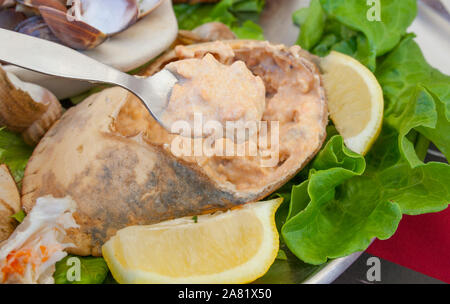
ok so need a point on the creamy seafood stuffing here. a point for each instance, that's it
(226, 82)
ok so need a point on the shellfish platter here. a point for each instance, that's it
(299, 134)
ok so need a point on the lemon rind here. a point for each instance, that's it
(362, 142)
(244, 273)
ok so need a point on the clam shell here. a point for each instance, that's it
(9, 18)
(147, 6)
(88, 23)
(7, 3)
(76, 34)
(56, 4)
(108, 16)
(35, 26)
(27, 108)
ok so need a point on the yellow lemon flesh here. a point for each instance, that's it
(355, 100)
(236, 246)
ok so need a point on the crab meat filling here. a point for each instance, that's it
(31, 252)
(217, 92)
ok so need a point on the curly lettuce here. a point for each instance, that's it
(346, 200)
(406, 76)
(338, 209)
(343, 26)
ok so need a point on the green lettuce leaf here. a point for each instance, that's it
(248, 30)
(396, 16)
(14, 152)
(337, 211)
(415, 90)
(240, 15)
(19, 216)
(312, 21)
(342, 25)
(343, 205)
(93, 270)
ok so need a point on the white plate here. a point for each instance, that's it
(126, 51)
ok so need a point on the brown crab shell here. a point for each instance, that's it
(119, 179)
(208, 32)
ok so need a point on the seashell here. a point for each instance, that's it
(7, 3)
(147, 6)
(75, 34)
(9, 18)
(35, 4)
(89, 22)
(27, 108)
(35, 26)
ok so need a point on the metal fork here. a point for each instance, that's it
(54, 59)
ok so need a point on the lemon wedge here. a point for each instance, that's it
(236, 246)
(355, 100)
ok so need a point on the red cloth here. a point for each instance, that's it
(421, 243)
